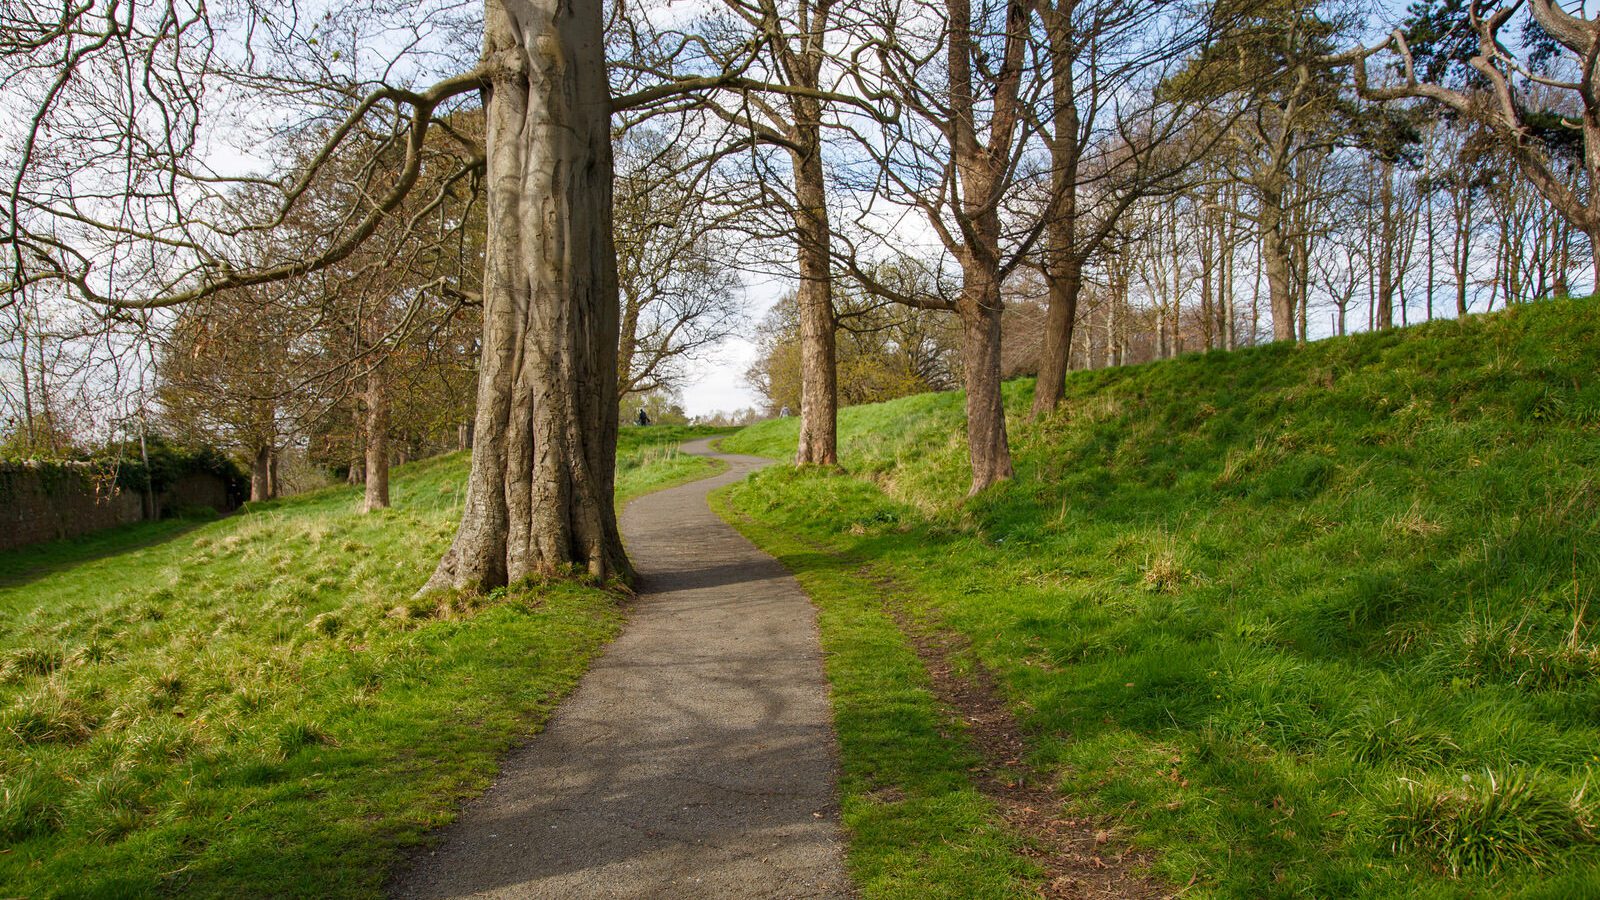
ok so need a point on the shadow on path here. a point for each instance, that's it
(695, 759)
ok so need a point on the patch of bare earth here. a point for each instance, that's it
(1081, 856)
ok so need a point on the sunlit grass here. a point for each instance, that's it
(257, 705)
(1311, 620)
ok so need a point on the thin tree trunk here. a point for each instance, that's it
(819, 388)
(1432, 253)
(377, 480)
(1063, 266)
(27, 385)
(356, 475)
(1065, 286)
(1461, 256)
(260, 478)
(627, 344)
(1594, 258)
(989, 449)
(1386, 245)
(1275, 260)
(539, 497)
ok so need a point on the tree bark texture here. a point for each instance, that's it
(377, 476)
(1275, 259)
(539, 497)
(1387, 239)
(261, 474)
(819, 388)
(988, 446)
(1063, 266)
(981, 168)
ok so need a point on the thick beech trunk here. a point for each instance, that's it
(539, 498)
(819, 390)
(377, 480)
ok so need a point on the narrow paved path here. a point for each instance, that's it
(695, 759)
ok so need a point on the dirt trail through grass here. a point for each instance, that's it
(696, 758)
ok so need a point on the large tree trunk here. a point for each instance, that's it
(819, 390)
(539, 497)
(263, 474)
(377, 481)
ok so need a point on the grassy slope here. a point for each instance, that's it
(255, 706)
(1311, 620)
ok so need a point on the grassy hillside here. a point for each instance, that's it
(255, 706)
(1308, 620)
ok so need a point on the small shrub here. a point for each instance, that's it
(165, 689)
(1262, 631)
(1487, 824)
(1241, 463)
(1493, 649)
(427, 607)
(1497, 650)
(161, 742)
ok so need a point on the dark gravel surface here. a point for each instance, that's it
(695, 759)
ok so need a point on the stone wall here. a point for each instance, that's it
(41, 503)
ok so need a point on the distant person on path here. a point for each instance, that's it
(644, 417)
(783, 413)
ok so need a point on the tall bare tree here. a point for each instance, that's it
(1511, 96)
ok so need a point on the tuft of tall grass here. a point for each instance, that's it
(1484, 824)
(47, 714)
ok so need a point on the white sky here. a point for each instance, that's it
(717, 383)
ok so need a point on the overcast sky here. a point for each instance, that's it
(716, 383)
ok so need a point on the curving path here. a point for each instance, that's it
(696, 757)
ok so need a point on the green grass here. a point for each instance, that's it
(648, 458)
(1309, 620)
(920, 828)
(256, 706)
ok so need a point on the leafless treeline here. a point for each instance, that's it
(1148, 176)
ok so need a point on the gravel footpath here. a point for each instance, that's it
(696, 757)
